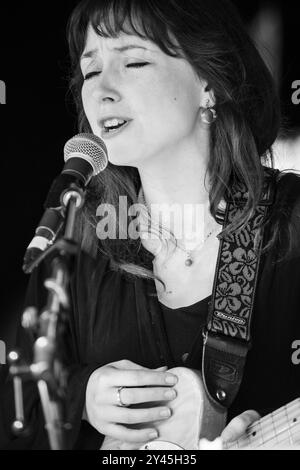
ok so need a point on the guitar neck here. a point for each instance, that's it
(278, 429)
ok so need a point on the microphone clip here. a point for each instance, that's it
(72, 201)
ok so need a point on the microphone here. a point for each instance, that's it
(85, 156)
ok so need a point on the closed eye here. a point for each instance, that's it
(90, 75)
(137, 64)
(132, 65)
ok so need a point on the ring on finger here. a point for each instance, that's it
(120, 402)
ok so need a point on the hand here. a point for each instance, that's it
(233, 431)
(141, 385)
(238, 426)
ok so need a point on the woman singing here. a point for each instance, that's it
(187, 110)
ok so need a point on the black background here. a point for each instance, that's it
(38, 119)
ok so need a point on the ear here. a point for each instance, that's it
(208, 98)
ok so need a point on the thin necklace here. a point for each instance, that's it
(189, 259)
(189, 253)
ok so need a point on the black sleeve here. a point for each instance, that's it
(78, 375)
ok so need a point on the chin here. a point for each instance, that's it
(119, 157)
(121, 163)
(121, 160)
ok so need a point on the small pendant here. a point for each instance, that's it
(188, 262)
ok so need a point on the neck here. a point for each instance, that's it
(176, 177)
(179, 179)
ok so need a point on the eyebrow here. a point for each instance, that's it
(93, 52)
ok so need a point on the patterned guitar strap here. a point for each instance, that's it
(227, 338)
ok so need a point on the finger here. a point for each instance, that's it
(121, 433)
(121, 415)
(141, 378)
(128, 365)
(131, 446)
(238, 426)
(132, 396)
(204, 444)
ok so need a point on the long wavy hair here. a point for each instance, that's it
(212, 37)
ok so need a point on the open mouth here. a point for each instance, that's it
(113, 125)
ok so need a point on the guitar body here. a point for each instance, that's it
(193, 417)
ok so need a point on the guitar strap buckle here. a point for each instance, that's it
(223, 364)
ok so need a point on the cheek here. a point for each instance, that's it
(183, 90)
(86, 102)
(178, 98)
(174, 113)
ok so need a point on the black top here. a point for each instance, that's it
(115, 317)
(181, 339)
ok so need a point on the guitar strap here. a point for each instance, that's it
(227, 338)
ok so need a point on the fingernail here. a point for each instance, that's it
(166, 413)
(171, 379)
(153, 435)
(170, 394)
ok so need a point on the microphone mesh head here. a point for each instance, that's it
(91, 148)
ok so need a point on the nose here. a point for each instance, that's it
(107, 87)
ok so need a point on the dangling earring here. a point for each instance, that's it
(208, 114)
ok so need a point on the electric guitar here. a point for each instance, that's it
(195, 417)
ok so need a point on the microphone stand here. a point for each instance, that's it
(46, 369)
